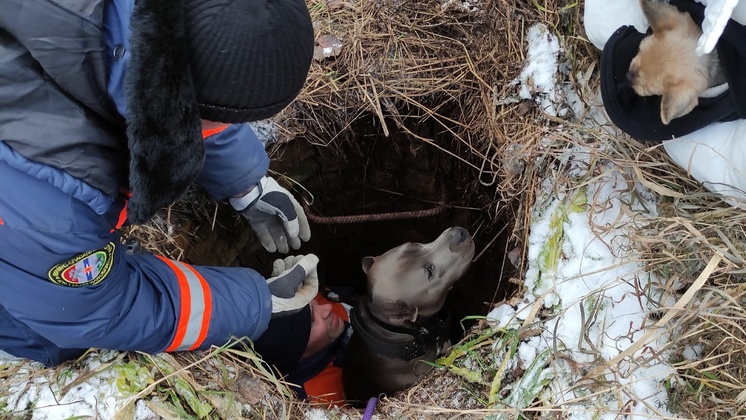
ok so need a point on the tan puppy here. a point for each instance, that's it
(666, 64)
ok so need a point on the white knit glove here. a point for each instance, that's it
(294, 283)
(274, 215)
(717, 13)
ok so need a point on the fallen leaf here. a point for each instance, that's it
(336, 4)
(327, 46)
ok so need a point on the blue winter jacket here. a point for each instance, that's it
(62, 123)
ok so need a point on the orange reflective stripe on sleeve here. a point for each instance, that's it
(212, 131)
(195, 307)
(206, 305)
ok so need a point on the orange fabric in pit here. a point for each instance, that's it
(326, 388)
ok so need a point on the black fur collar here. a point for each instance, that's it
(163, 122)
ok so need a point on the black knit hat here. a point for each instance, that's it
(283, 343)
(640, 116)
(220, 60)
(249, 58)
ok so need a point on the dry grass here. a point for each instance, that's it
(695, 226)
(409, 61)
(696, 244)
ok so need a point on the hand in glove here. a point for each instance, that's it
(294, 284)
(274, 215)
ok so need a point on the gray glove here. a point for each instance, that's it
(274, 215)
(294, 283)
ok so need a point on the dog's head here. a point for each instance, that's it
(667, 65)
(411, 281)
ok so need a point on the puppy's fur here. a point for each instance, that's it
(667, 65)
(407, 287)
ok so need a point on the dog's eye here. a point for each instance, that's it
(430, 269)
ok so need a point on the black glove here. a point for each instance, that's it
(274, 215)
(294, 283)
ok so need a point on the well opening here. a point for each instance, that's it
(369, 174)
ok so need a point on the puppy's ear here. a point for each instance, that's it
(678, 100)
(367, 263)
(660, 16)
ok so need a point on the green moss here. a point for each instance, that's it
(132, 377)
(184, 391)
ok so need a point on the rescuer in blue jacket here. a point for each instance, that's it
(110, 110)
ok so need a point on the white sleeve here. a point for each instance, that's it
(717, 14)
(715, 156)
(602, 17)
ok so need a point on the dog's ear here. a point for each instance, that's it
(660, 16)
(367, 263)
(677, 100)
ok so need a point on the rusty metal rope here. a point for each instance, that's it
(378, 217)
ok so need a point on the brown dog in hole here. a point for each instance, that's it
(667, 64)
(400, 323)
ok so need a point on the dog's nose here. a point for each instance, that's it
(459, 235)
(631, 77)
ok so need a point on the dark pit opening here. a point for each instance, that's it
(370, 174)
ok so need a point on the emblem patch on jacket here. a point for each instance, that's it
(86, 269)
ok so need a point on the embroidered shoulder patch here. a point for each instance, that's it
(86, 269)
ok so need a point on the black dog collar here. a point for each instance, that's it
(433, 332)
(640, 116)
